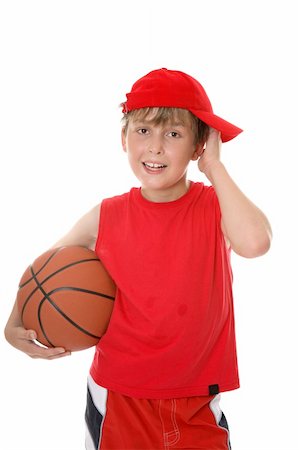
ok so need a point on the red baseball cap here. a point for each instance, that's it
(175, 89)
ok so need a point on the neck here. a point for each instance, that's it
(166, 195)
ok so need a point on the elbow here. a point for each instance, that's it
(258, 249)
(253, 248)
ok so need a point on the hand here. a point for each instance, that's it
(211, 153)
(23, 340)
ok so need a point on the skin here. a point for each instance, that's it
(171, 145)
(245, 227)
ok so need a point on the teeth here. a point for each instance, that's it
(154, 165)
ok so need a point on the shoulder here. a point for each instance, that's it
(205, 193)
(207, 203)
(116, 204)
(117, 199)
(84, 231)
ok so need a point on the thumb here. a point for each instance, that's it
(31, 335)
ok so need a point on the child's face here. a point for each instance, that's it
(159, 156)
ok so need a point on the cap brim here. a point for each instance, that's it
(228, 130)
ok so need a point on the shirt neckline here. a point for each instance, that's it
(164, 205)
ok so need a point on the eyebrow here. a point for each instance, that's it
(150, 122)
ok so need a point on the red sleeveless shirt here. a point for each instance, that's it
(172, 330)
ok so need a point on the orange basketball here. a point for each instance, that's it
(66, 296)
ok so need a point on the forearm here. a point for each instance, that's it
(23, 339)
(14, 318)
(244, 225)
(13, 324)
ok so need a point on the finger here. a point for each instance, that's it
(214, 133)
(36, 351)
(30, 335)
(60, 355)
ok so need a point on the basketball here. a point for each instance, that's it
(66, 296)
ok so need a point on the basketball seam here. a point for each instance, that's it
(63, 315)
(49, 277)
(42, 267)
(47, 297)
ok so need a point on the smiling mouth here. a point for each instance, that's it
(154, 166)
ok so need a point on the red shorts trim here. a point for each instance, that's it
(118, 422)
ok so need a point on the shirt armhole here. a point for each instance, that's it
(219, 218)
(100, 227)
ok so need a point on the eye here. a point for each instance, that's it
(174, 134)
(142, 131)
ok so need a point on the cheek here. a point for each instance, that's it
(135, 147)
(131, 144)
(133, 158)
(184, 157)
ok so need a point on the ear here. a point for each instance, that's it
(123, 140)
(197, 152)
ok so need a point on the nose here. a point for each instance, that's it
(156, 146)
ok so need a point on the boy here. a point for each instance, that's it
(170, 346)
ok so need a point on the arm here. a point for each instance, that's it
(243, 224)
(84, 233)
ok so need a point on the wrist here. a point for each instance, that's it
(212, 169)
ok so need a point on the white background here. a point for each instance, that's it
(65, 67)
